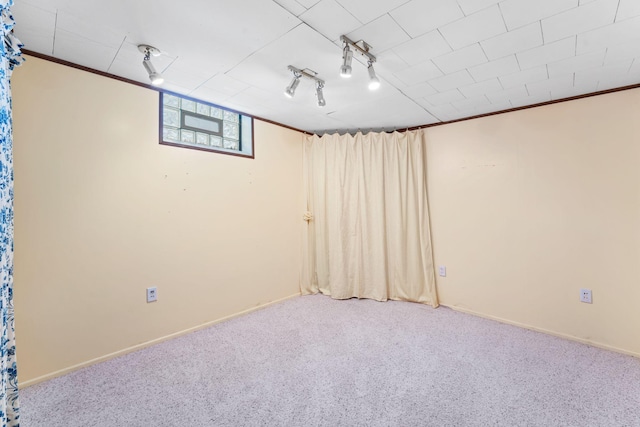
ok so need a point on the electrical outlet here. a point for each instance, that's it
(585, 295)
(442, 271)
(152, 294)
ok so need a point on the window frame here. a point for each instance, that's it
(219, 150)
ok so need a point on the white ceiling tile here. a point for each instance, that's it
(129, 70)
(609, 35)
(628, 9)
(253, 41)
(428, 119)
(330, 19)
(523, 77)
(471, 103)
(168, 86)
(472, 6)
(459, 116)
(368, 10)
(444, 112)
(420, 49)
(551, 52)
(420, 16)
(461, 59)
(452, 81)
(33, 18)
(184, 76)
(635, 68)
(478, 89)
(550, 84)
(474, 28)
(495, 107)
(419, 91)
(515, 41)
(393, 80)
(506, 95)
(35, 27)
(585, 77)
(389, 61)
(576, 63)
(50, 5)
(255, 96)
(522, 12)
(499, 67)
(308, 3)
(209, 95)
(225, 84)
(423, 103)
(381, 34)
(103, 34)
(98, 56)
(611, 81)
(235, 36)
(444, 97)
(292, 6)
(571, 91)
(419, 73)
(578, 20)
(36, 42)
(619, 52)
(533, 99)
(403, 113)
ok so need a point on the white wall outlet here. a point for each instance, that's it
(442, 271)
(585, 295)
(152, 294)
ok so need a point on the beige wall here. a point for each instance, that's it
(528, 207)
(103, 212)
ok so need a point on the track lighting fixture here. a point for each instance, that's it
(309, 74)
(374, 81)
(319, 94)
(363, 49)
(347, 57)
(155, 77)
(291, 89)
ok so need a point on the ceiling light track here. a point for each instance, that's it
(298, 73)
(363, 49)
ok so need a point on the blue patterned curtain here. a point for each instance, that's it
(10, 58)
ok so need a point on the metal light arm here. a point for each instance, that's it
(362, 50)
(306, 73)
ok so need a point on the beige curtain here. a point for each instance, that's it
(367, 222)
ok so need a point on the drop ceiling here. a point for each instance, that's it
(438, 60)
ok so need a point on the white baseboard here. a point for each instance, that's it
(144, 344)
(544, 331)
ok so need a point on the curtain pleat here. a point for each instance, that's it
(367, 231)
(11, 57)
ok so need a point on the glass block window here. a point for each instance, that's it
(191, 123)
